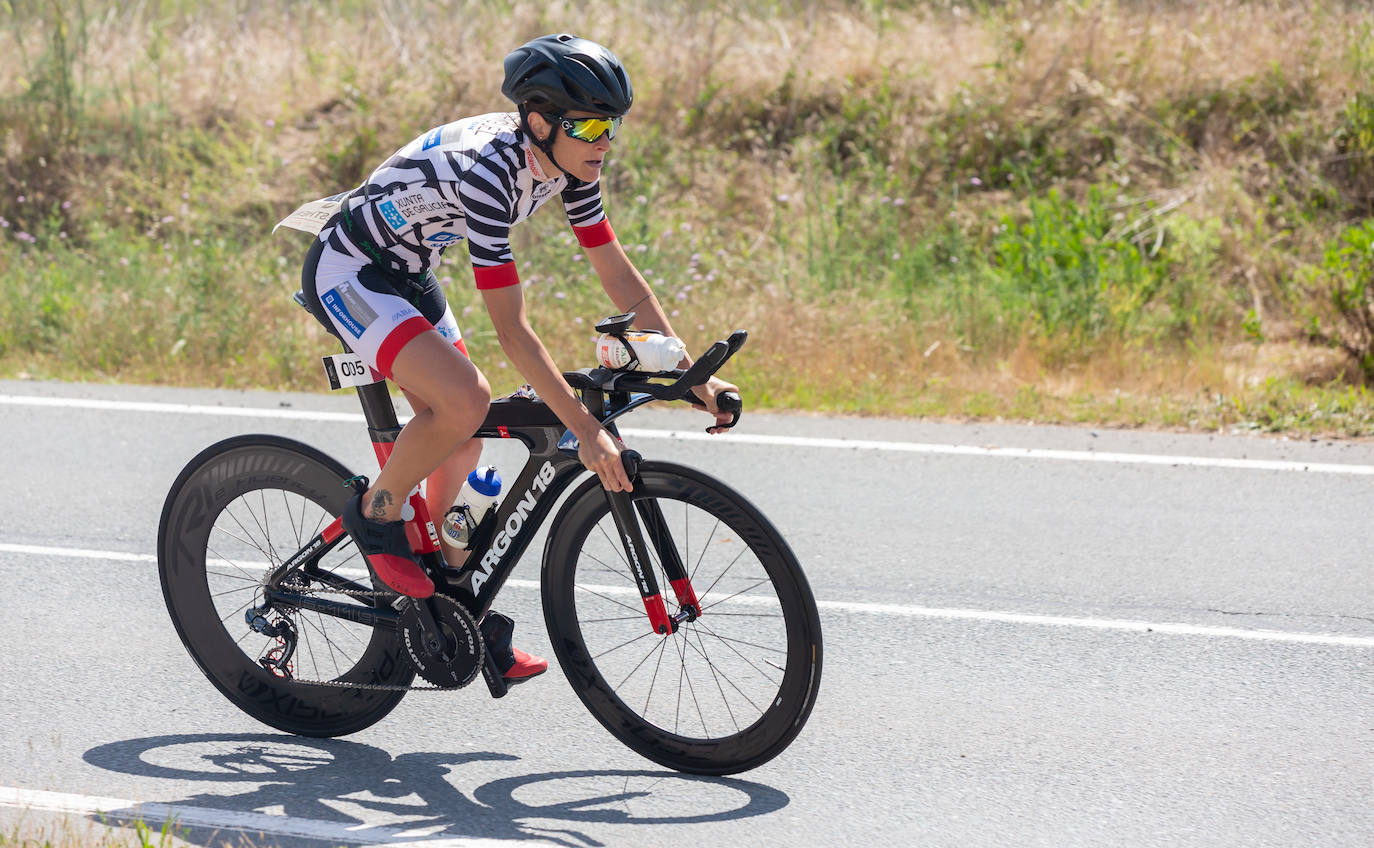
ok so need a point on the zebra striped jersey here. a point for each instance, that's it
(472, 179)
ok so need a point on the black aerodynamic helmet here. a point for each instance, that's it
(571, 73)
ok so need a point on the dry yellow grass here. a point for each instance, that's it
(740, 93)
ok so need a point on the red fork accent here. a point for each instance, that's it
(686, 595)
(658, 614)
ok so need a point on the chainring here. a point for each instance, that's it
(460, 659)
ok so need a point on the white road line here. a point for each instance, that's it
(899, 610)
(120, 810)
(742, 438)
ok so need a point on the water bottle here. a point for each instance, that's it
(655, 351)
(475, 499)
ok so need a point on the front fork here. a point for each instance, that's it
(637, 555)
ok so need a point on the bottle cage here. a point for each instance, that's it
(616, 326)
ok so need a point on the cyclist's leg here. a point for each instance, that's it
(455, 397)
(367, 311)
(444, 482)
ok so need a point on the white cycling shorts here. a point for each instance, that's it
(369, 312)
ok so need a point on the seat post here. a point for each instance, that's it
(378, 409)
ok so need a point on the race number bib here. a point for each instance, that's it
(311, 217)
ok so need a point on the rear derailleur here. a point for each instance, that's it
(277, 661)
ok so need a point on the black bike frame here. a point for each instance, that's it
(505, 533)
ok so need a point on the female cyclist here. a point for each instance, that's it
(369, 279)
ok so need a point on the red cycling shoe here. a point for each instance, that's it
(386, 550)
(515, 665)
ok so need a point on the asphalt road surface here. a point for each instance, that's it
(1034, 636)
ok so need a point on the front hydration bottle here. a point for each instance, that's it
(475, 499)
(639, 350)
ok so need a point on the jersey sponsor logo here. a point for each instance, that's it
(533, 164)
(394, 218)
(335, 304)
(432, 140)
(543, 190)
(442, 238)
(414, 205)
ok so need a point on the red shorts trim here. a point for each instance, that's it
(496, 276)
(595, 235)
(397, 339)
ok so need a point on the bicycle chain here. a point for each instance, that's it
(371, 687)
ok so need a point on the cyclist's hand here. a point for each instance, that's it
(707, 393)
(601, 455)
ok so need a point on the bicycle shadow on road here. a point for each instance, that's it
(337, 787)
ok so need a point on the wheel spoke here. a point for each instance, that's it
(638, 664)
(644, 635)
(295, 529)
(611, 600)
(227, 561)
(662, 647)
(741, 692)
(701, 596)
(737, 653)
(704, 549)
(737, 594)
(732, 681)
(700, 648)
(701, 714)
(620, 552)
(608, 568)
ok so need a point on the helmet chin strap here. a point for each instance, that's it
(546, 146)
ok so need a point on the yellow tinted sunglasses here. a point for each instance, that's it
(589, 129)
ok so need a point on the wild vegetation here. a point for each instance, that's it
(1132, 213)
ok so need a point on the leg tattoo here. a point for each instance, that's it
(381, 499)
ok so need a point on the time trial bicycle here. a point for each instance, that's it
(677, 612)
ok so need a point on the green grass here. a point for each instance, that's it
(1083, 212)
(70, 832)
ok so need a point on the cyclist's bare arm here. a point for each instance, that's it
(597, 449)
(629, 291)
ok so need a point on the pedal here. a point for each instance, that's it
(496, 681)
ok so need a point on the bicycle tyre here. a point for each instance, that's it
(737, 616)
(237, 494)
